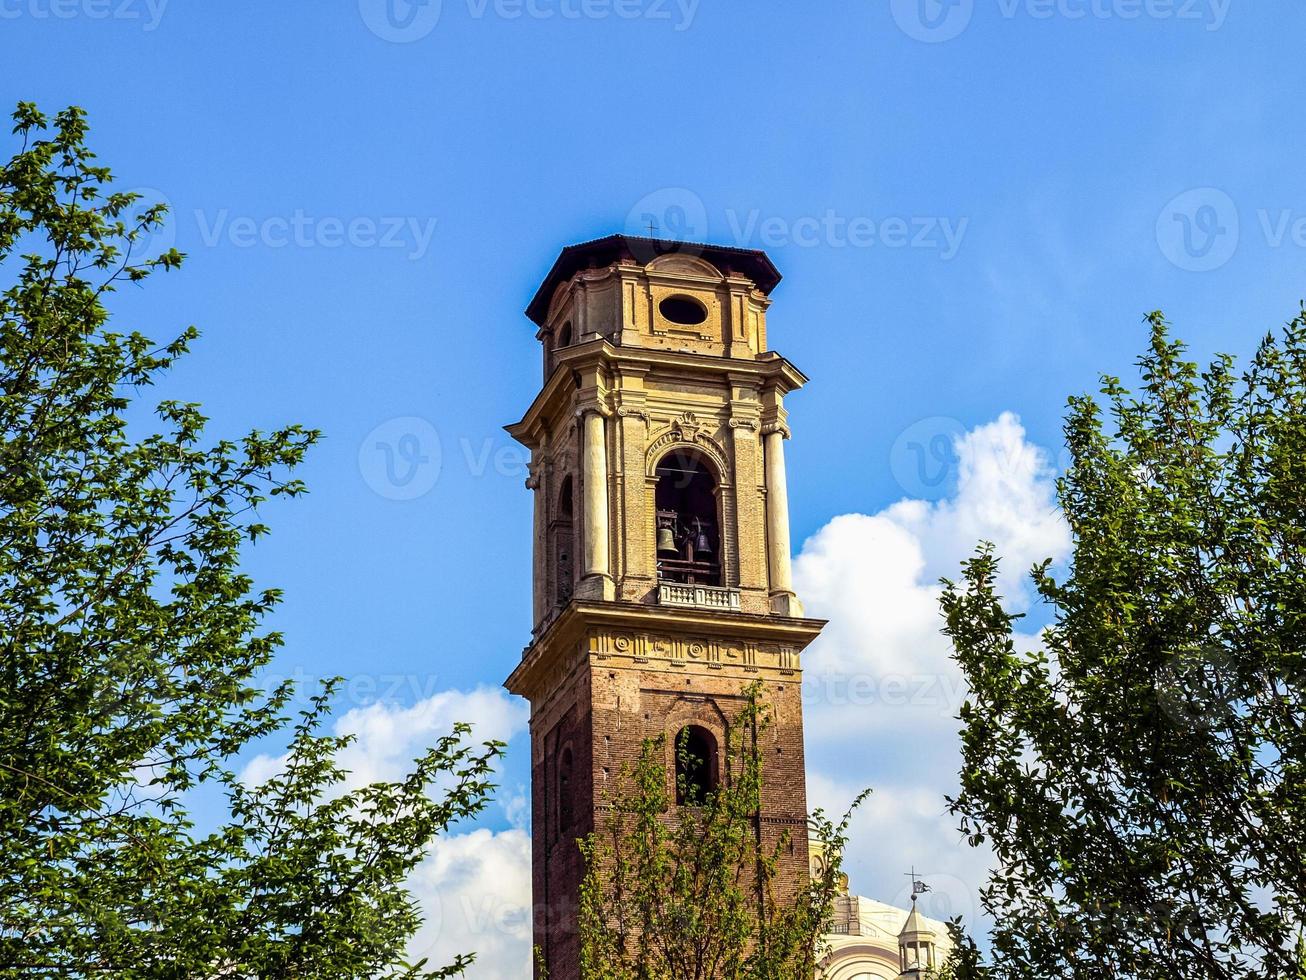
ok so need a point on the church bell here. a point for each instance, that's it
(702, 545)
(666, 541)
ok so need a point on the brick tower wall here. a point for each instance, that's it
(601, 716)
(565, 724)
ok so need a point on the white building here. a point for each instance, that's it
(874, 941)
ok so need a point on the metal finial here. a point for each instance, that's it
(918, 887)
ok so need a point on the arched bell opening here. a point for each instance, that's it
(696, 765)
(688, 527)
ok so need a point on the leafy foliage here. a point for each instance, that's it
(686, 892)
(130, 641)
(1142, 779)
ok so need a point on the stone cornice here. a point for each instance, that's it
(634, 633)
(768, 370)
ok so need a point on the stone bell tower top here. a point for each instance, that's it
(658, 294)
(657, 442)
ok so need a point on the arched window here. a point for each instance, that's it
(696, 766)
(688, 533)
(564, 335)
(566, 810)
(562, 545)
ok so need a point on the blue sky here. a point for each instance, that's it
(973, 204)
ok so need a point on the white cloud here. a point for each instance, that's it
(475, 893)
(881, 690)
(388, 737)
(882, 663)
(1005, 494)
(474, 888)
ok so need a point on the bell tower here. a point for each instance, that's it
(662, 584)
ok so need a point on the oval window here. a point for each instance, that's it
(683, 310)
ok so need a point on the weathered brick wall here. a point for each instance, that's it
(562, 724)
(602, 717)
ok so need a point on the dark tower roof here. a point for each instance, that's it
(604, 251)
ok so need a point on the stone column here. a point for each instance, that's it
(596, 567)
(783, 600)
(535, 483)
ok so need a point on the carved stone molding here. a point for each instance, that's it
(688, 431)
(682, 651)
(688, 426)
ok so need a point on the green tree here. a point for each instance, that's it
(130, 644)
(686, 892)
(1141, 778)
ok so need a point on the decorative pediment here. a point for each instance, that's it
(679, 263)
(688, 431)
